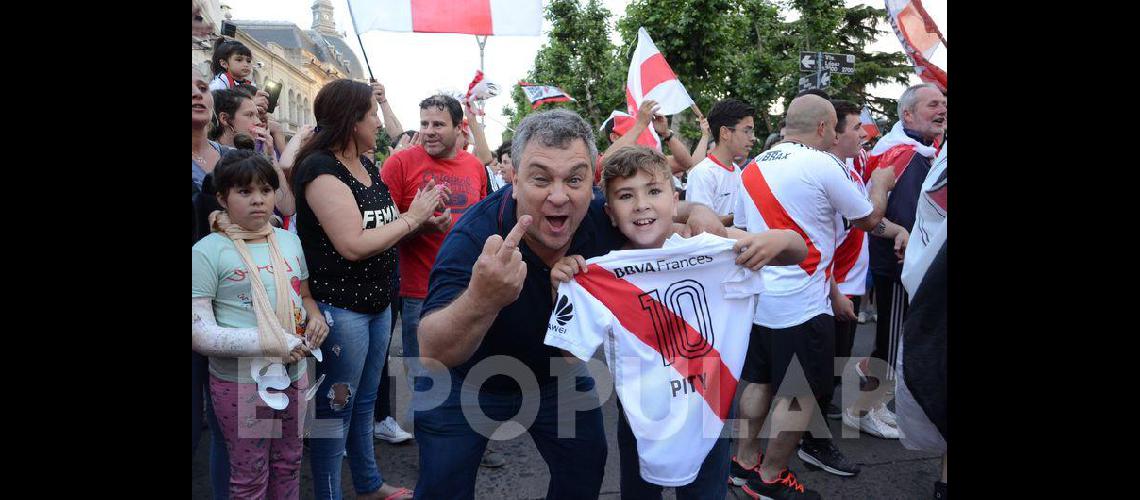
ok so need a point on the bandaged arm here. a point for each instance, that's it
(209, 339)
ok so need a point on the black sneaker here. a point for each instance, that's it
(833, 412)
(738, 475)
(940, 491)
(823, 454)
(785, 487)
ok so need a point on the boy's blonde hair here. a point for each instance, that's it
(626, 162)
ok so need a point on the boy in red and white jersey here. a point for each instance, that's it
(667, 311)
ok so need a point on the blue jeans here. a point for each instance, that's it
(409, 326)
(354, 354)
(450, 449)
(711, 482)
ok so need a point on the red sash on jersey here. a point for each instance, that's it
(897, 158)
(621, 298)
(860, 162)
(847, 254)
(774, 214)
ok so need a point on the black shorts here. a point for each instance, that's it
(771, 351)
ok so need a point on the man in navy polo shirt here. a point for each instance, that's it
(485, 316)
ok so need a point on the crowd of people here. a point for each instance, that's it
(508, 268)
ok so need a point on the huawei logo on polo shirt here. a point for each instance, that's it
(564, 312)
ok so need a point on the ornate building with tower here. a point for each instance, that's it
(302, 60)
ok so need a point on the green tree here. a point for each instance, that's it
(578, 57)
(383, 146)
(827, 26)
(745, 49)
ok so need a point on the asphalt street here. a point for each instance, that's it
(889, 471)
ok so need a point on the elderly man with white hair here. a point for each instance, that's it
(908, 149)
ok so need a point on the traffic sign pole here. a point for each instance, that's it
(819, 69)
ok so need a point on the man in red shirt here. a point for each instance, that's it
(407, 171)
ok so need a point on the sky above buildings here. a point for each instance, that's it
(413, 66)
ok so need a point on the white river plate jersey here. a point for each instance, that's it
(852, 256)
(793, 186)
(675, 323)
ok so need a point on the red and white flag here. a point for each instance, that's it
(868, 123)
(650, 77)
(476, 17)
(920, 38)
(542, 94)
(478, 91)
(622, 122)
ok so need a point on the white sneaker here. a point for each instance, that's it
(869, 424)
(390, 431)
(886, 415)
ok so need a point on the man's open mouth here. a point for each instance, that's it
(557, 222)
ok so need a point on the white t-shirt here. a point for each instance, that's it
(713, 183)
(220, 82)
(929, 225)
(669, 319)
(495, 180)
(852, 257)
(793, 186)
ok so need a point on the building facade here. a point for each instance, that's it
(303, 61)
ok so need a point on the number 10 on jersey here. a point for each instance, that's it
(683, 310)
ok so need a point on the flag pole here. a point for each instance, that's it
(361, 42)
(697, 110)
(500, 123)
(482, 45)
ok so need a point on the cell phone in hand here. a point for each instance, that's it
(274, 90)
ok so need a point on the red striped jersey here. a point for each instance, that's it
(852, 258)
(672, 323)
(796, 187)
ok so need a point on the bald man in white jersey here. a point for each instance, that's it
(796, 185)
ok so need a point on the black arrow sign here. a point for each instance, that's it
(843, 64)
(808, 61)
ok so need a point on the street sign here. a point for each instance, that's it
(808, 61)
(815, 81)
(843, 64)
(808, 82)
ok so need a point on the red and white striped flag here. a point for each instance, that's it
(542, 94)
(622, 122)
(868, 123)
(650, 77)
(476, 17)
(920, 38)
